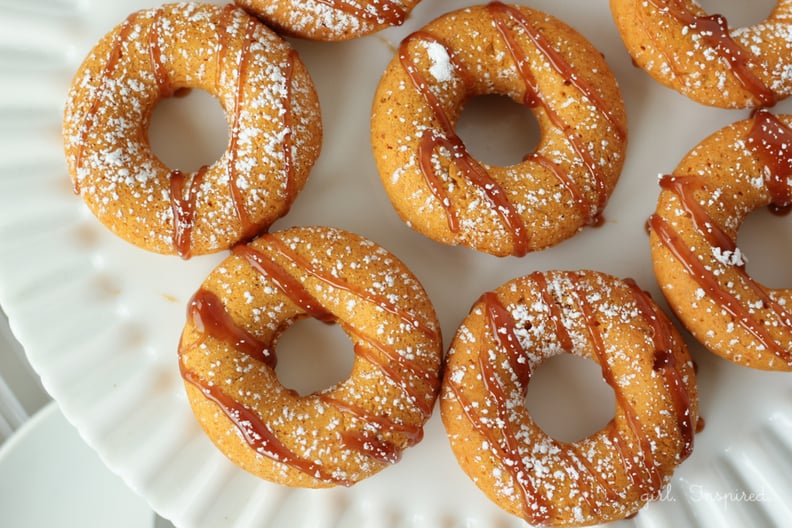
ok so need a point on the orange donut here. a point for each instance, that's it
(330, 20)
(439, 189)
(339, 435)
(700, 56)
(703, 273)
(273, 117)
(608, 475)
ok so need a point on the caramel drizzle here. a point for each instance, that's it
(394, 368)
(500, 11)
(715, 30)
(709, 282)
(113, 59)
(381, 302)
(587, 209)
(665, 363)
(248, 227)
(208, 315)
(502, 329)
(472, 169)
(646, 476)
(533, 97)
(237, 197)
(255, 432)
(771, 140)
(391, 13)
(164, 83)
(183, 199)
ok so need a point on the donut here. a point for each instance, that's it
(701, 270)
(681, 46)
(329, 20)
(338, 435)
(608, 475)
(439, 189)
(271, 106)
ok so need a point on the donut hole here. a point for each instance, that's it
(739, 13)
(497, 130)
(568, 398)
(313, 356)
(763, 239)
(189, 130)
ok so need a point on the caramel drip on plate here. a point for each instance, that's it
(388, 12)
(709, 282)
(468, 166)
(255, 432)
(208, 315)
(714, 29)
(771, 140)
(502, 15)
(665, 363)
(646, 475)
(183, 208)
(113, 59)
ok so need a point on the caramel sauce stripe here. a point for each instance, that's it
(474, 172)
(111, 63)
(647, 477)
(665, 363)
(709, 282)
(386, 12)
(714, 30)
(256, 432)
(385, 358)
(533, 97)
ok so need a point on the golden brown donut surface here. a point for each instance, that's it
(271, 108)
(442, 191)
(339, 435)
(329, 20)
(700, 56)
(608, 475)
(703, 273)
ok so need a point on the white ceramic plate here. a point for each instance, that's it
(100, 319)
(49, 477)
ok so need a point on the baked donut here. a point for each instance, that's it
(608, 475)
(440, 189)
(700, 268)
(338, 435)
(701, 57)
(329, 20)
(273, 117)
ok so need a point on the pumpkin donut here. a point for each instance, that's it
(700, 268)
(339, 435)
(440, 189)
(700, 56)
(329, 20)
(608, 475)
(272, 111)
